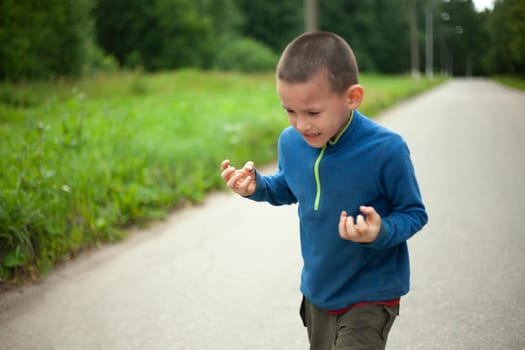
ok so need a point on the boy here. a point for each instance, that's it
(358, 197)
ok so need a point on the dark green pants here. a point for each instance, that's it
(363, 327)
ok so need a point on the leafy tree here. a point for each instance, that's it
(227, 18)
(390, 48)
(125, 29)
(184, 34)
(460, 37)
(43, 38)
(377, 30)
(165, 34)
(354, 21)
(272, 22)
(507, 26)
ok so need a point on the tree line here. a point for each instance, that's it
(43, 39)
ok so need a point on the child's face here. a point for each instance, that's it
(314, 110)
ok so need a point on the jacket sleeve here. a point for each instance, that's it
(408, 214)
(272, 189)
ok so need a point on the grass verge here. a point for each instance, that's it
(512, 81)
(83, 160)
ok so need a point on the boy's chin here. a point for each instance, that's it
(314, 144)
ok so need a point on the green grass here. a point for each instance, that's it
(83, 160)
(512, 81)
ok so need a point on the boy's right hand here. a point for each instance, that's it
(240, 181)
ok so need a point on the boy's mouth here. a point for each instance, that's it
(311, 137)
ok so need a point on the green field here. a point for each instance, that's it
(82, 161)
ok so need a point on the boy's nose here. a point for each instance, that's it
(302, 124)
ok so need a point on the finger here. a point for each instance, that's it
(249, 166)
(360, 222)
(225, 164)
(350, 228)
(227, 173)
(372, 217)
(367, 210)
(342, 224)
(244, 184)
(233, 180)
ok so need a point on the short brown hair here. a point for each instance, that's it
(310, 53)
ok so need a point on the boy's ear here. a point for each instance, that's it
(355, 96)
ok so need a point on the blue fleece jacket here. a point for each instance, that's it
(366, 165)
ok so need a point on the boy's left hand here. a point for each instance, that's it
(365, 228)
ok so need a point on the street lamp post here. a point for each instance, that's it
(311, 15)
(429, 43)
(414, 52)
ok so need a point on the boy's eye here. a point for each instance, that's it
(311, 113)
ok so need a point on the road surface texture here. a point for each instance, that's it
(224, 275)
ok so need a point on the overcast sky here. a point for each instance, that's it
(483, 4)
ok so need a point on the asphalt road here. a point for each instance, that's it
(225, 274)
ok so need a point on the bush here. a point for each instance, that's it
(245, 55)
(96, 61)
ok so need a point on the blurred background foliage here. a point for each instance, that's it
(48, 38)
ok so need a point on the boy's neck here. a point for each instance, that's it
(334, 139)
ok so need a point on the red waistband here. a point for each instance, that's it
(392, 302)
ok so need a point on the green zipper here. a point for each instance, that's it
(316, 166)
(317, 180)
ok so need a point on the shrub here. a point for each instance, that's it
(244, 55)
